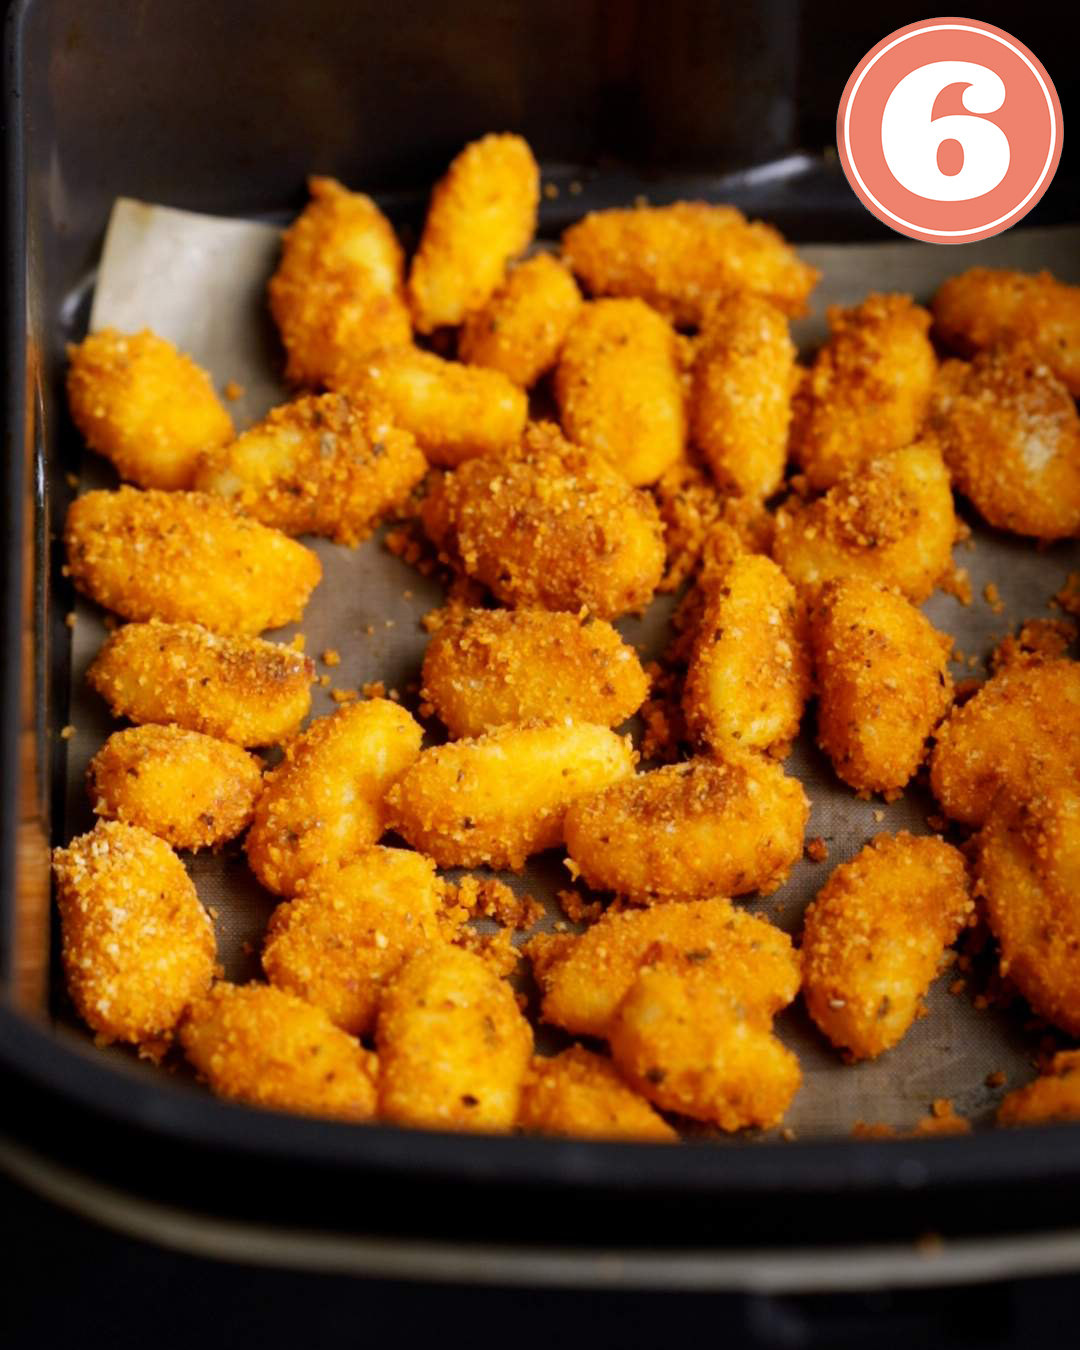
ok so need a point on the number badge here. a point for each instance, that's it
(949, 130)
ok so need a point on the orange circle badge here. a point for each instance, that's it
(949, 130)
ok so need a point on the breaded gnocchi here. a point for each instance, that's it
(481, 215)
(191, 790)
(868, 389)
(1024, 718)
(520, 331)
(1010, 435)
(144, 405)
(725, 826)
(875, 938)
(136, 944)
(749, 674)
(497, 799)
(239, 689)
(677, 257)
(350, 928)
(690, 1046)
(891, 520)
(1027, 872)
(186, 557)
(455, 412)
(1054, 1095)
(883, 682)
(318, 465)
(453, 1047)
(583, 978)
(989, 307)
(581, 1095)
(619, 388)
(326, 799)
(485, 668)
(256, 1044)
(740, 405)
(338, 293)
(549, 525)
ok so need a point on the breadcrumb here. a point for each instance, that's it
(1054, 1096)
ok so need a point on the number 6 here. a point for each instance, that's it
(910, 138)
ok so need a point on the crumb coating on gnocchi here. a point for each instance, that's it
(868, 389)
(319, 465)
(453, 1046)
(485, 668)
(580, 1095)
(883, 682)
(257, 1044)
(724, 826)
(326, 799)
(678, 257)
(520, 331)
(749, 674)
(144, 405)
(740, 405)
(239, 689)
(891, 520)
(136, 944)
(496, 799)
(548, 525)
(351, 927)
(1054, 1095)
(1010, 434)
(481, 215)
(186, 557)
(1024, 719)
(191, 790)
(874, 938)
(338, 292)
(619, 388)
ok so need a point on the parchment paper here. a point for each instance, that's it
(200, 281)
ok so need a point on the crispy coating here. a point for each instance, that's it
(891, 520)
(584, 978)
(749, 675)
(987, 307)
(191, 790)
(740, 406)
(1054, 1095)
(497, 799)
(1010, 434)
(256, 1044)
(318, 465)
(453, 1047)
(868, 389)
(874, 939)
(186, 557)
(326, 799)
(620, 390)
(144, 405)
(677, 257)
(704, 827)
(239, 689)
(481, 215)
(689, 1045)
(337, 295)
(455, 412)
(1025, 718)
(581, 1095)
(1028, 873)
(550, 525)
(520, 330)
(136, 944)
(350, 929)
(487, 667)
(883, 682)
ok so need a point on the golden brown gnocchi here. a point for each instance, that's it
(581, 1095)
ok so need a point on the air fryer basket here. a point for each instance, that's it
(226, 109)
